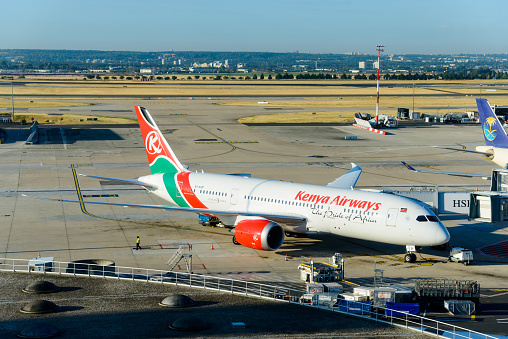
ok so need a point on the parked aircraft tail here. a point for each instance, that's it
(160, 155)
(493, 131)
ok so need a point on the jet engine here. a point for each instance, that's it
(259, 233)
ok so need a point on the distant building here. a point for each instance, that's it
(361, 65)
(145, 71)
(375, 65)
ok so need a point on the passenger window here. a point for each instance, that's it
(421, 218)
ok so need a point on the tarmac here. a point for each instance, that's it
(206, 136)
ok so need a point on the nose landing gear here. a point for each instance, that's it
(411, 251)
(410, 257)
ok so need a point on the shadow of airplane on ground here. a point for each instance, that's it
(59, 135)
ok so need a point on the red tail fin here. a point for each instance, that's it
(160, 155)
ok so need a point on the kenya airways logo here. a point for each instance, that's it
(344, 201)
(153, 144)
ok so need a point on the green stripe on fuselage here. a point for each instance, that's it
(172, 189)
(169, 171)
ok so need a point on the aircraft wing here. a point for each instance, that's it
(125, 181)
(458, 174)
(289, 218)
(348, 180)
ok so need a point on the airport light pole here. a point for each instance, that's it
(12, 99)
(413, 98)
(379, 50)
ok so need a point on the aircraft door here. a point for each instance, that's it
(391, 218)
(234, 196)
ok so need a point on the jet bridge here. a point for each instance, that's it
(491, 206)
(440, 202)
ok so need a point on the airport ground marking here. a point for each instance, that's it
(80, 196)
(233, 147)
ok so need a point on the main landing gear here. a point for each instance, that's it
(411, 251)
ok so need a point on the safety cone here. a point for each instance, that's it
(212, 245)
(286, 258)
(39, 255)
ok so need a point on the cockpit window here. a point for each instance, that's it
(421, 218)
(432, 218)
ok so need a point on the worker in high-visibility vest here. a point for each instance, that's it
(137, 243)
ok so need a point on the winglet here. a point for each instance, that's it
(348, 180)
(408, 166)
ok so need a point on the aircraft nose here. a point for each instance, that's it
(442, 235)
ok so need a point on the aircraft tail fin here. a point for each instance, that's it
(160, 155)
(493, 131)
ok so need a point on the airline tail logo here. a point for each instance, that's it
(153, 144)
(488, 130)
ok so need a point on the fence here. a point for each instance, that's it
(252, 289)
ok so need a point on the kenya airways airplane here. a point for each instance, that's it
(260, 212)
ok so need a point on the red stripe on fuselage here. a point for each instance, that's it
(183, 183)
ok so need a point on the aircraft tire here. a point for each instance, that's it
(408, 257)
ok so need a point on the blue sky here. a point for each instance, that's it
(328, 26)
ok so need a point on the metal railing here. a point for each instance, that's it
(248, 288)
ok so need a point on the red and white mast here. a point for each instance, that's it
(379, 50)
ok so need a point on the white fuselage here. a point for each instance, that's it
(352, 213)
(499, 154)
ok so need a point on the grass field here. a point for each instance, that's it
(301, 118)
(70, 119)
(349, 106)
(36, 104)
(260, 88)
(323, 101)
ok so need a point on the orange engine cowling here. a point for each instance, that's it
(260, 234)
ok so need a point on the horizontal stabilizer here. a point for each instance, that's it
(125, 181)
(348, 180)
